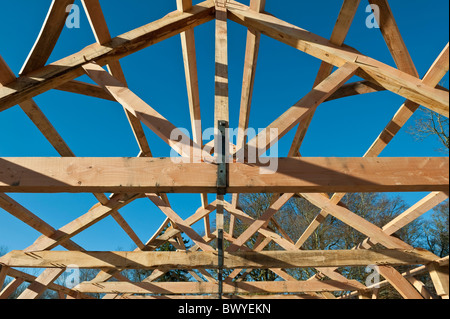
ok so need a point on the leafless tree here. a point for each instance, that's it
(298, 213)
(431, 124)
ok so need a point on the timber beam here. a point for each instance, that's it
(208, 259)
(171, 288)
(163, 175)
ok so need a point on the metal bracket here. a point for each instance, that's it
(222, 169)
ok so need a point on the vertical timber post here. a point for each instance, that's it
(221, 120)
(222, 178)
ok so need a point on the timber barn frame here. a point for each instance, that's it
(116, 182)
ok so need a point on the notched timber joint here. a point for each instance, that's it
(363, 63)
(221, 3)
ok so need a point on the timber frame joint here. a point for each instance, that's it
(221, 3)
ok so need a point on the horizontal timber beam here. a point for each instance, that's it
(211, 288)
(208, 260)
(165, 175)
(55, 74)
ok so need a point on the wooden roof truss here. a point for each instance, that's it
(324, 175)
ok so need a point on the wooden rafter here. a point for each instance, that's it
(421, 207)
(21, 277)
(377, 234)
(190, 66)
(127, 228)
(300, 110)
(436, 72)
(393, 277)
(23, 214)
(11, 287)
(286, 244)
(59, 72)
(340, 31)
(94, 215)
(97, 213)
(102, 35)
(434, 75)
(263, 220)
(182, 225)
(355, 221)
(251, 57)
(87, 89)
(191, 72)
(159, 239)
(144, 112)
(393, 38)
(49, 35)
(410, 273)
(39, 285)
(35, 114)
(392, 79)
(196, 172)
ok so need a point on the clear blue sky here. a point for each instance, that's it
(92, 127)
